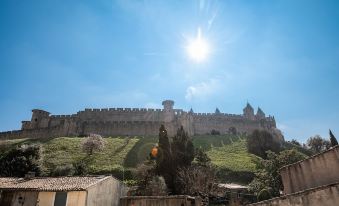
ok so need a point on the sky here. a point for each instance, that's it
(64, 56)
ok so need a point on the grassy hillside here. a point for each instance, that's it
(227, 152)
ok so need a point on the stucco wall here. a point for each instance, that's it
(105, 193)
(46, 198)
(323, 196)
(76, 198)
(321, 169)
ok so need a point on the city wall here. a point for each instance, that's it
(325, 196)
(138, 121)
(321, 169)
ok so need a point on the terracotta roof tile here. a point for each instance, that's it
(50, 183)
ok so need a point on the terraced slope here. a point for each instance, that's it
(121, 155)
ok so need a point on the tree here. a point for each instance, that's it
(261, 141)
(295, 142)
(93, 143)
(195, 180)
(182, 149)
(318, 144)
(21, 160)
(201, 158)
(164, 165)
(333, 140)
(267, 176)
(173, 156)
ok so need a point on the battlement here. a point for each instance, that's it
(139, 121)
(120, 110)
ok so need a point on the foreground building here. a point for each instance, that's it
(143, 122)
(311, 182)
(60, 191)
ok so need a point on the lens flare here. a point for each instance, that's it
(198, 48)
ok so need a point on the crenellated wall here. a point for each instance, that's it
(137, 121)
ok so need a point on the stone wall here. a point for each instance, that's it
(178, 200)
(322, 196)
(135, 121)
(318, 170)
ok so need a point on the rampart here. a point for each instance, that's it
(318, 170)
(139, 121)
(327, 195)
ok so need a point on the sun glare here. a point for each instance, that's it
(198, 48)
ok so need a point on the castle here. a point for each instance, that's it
(144, 122)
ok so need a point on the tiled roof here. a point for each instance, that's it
(50, 183)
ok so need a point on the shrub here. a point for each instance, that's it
(261, 141)
(64, 170)
(93, 143)
(21, 160)
(264, 194)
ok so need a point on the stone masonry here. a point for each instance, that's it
(142, 122)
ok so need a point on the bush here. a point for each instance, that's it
(264, 194)
(93, 143)
(21, 160)
(64, 170)
(215, 132)
(261, 141)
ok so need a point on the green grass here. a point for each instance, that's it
(228, 154)
(233, 157)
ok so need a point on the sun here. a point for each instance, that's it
(198, 48)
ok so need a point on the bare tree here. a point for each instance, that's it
(196, 180)
(93, 143)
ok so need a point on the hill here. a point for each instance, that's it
(122, 154)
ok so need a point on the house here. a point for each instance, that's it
(60, 191)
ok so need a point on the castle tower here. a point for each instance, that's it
(217, 111)
(39, 119)
(249, 112)
(260, 114)
(168, 110)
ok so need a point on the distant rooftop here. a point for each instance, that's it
(50, 183)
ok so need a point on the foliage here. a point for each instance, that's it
(267, 176)
(202, 158)
(164, 160)
(149, 184)
(173, 156)
(261, 141)
(215, 132)
(233, 130)
(21, 160)
(182, 149)
(318, 144)
(333, 140)
(264, 194)
(64, 170)
(302, 148)
(80, 168)
(93, 143)
(295, 142)
(195, 180)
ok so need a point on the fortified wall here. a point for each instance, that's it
(144, 122)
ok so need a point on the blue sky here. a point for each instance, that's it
(64, 56)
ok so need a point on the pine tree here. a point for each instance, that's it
(333, 140)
